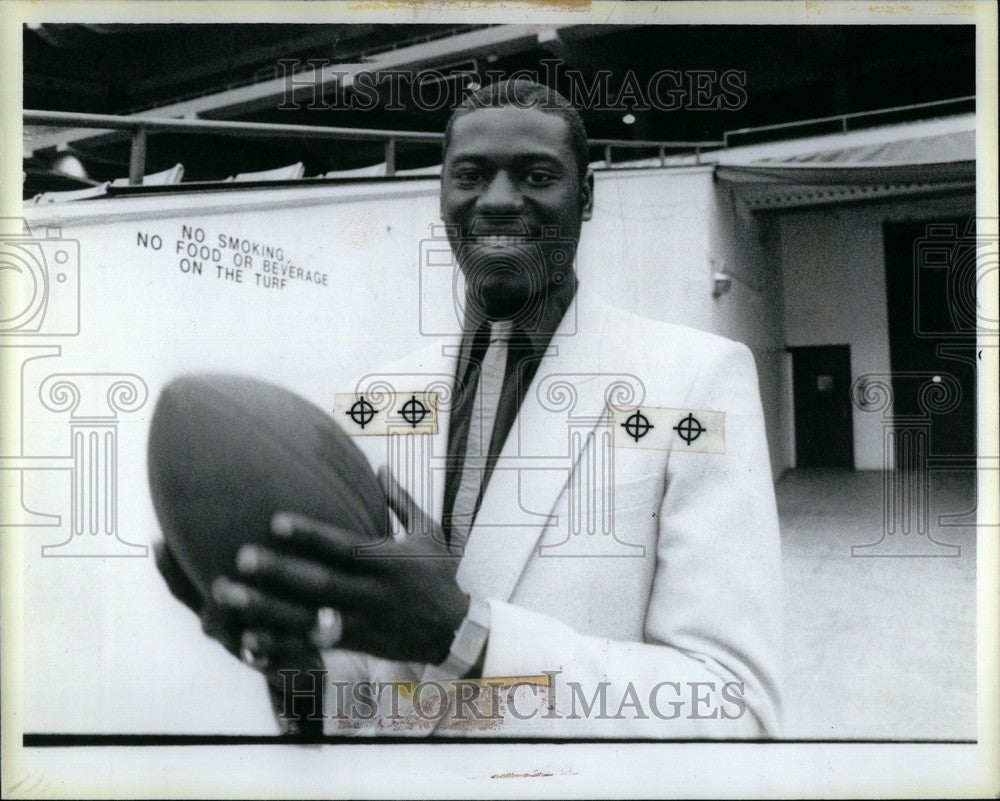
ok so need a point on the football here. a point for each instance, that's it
(228, 452)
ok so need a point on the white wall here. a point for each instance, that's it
(833, 264)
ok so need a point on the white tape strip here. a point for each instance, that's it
(685, 430)
(383, 413)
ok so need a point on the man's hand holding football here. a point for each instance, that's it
(398, 600)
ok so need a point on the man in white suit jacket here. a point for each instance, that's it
(640, 579)
(601, 563)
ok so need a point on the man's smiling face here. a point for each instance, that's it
(514, 201)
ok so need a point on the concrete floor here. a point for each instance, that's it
(876, 647)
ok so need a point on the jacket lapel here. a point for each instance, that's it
(560, 409)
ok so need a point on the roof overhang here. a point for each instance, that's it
(943, 161)
(795, 186)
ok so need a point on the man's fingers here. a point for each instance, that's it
(256, 608)
(272, 649)
(313, 537)
(318, 584)
(280, 648)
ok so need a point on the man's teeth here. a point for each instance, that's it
(500, 239)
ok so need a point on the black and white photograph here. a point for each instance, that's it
(439, 400)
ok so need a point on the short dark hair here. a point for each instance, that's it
(522, 93)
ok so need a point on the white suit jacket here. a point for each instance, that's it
(617, 569)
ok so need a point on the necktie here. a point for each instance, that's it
(477, 446)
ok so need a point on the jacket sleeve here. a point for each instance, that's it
(714, 614)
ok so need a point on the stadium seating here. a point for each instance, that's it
(292, 172)
(172, 176)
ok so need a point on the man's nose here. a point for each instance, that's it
(502, 196)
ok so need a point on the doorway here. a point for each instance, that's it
(930, 272)
(824, 426)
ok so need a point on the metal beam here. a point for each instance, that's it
(638, 144)
(269, 130)
(266, 130)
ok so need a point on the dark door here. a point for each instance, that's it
(824, 428)
(931, 272)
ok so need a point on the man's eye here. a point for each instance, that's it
(540, 178)
(468, 176)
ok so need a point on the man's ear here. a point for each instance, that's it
(587, 196)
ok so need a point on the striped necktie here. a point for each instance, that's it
(477, 446)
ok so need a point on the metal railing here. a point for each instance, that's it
(139, 127)
(843, 121)
(661, 148)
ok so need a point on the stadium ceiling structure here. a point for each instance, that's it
(308, 75)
